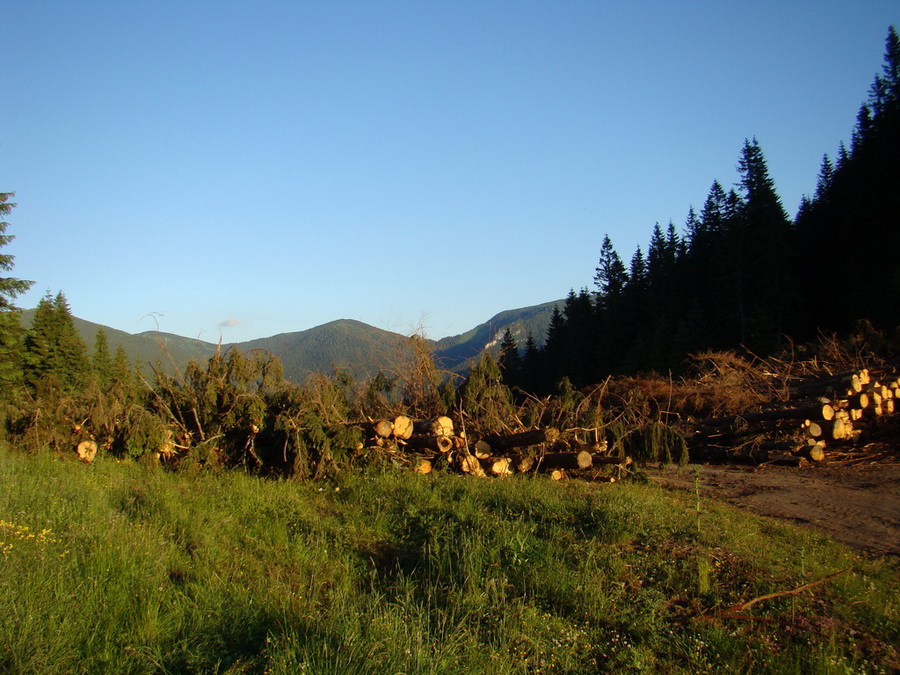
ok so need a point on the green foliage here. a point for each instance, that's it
(309, 428)
(101, 360)
(10, 327)
(486, 401)
(53, 348)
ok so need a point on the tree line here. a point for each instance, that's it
(741, 273)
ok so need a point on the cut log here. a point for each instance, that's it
(424, 442)
(439, 426)
(557, 474)
(470, 464)
(814, 453)
(382, 428)
(423, 466)
(817, 411)
(523, 464)
(501, 466)
(860, 400)
(522, 440)
(86, 450)
(837, 430)
(565, 460)
(403, 427)
(482, 450)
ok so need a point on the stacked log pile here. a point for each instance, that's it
(428, 444)
(824, 418)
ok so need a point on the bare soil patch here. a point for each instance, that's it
(857, 505)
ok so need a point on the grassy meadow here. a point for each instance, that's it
(118, 567)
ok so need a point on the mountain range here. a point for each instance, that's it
(353, 346)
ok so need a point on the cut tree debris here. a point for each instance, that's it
(822, 419)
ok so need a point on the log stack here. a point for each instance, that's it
(427, 444)
(824, 415)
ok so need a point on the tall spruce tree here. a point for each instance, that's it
(54, 351)
(510, 361)
(101, 359)
(610, 276)
(766, 245)
(10, 315)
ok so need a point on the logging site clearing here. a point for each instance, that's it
(858, 506)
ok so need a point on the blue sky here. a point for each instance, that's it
(246, 169)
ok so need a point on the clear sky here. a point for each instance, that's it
(251, 168)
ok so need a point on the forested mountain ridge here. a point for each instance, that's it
(345, 344)
(455, 351)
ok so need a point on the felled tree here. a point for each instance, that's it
(486, 401)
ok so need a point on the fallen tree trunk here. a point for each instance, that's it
(818, 411)
(521, 440)
(435, 443)
(565, 460)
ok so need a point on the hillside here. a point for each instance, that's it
(453, 352)
(345, 344)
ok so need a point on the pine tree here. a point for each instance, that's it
(53, 348)
(510, 362)
(101, 360)
(825, 179)
(10, 315)
(766, 253)
(610, 276)
(531, 366)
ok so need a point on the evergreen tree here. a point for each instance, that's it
(610, 276)
(10, 315)
(859, 208)
(53, 348)
(578, 357)
(826, 176)
(531, 366)
(510, 362)
(101, 360)
(766, 246)
(554, 345)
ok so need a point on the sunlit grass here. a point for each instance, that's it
(117, 567)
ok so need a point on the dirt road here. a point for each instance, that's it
(857, 505)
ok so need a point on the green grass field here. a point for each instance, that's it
(123, 568)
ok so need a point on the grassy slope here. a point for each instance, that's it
(117, 567)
